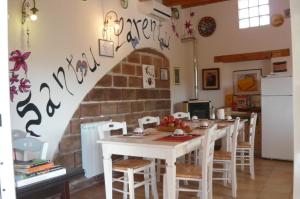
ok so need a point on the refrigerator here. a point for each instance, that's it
(277, 117)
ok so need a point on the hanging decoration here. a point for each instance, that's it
(206, 26)
(124, 4)
(175, 20)
(18, 84)
(188, 26)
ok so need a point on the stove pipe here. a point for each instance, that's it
(195, 65)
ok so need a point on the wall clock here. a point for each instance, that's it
(206, 26)
(124, 3)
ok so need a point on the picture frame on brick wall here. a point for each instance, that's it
(106, 48)
(148, 76)
(177, 76)
(164, 74)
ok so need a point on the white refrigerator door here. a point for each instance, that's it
(277, 86)
(277, 127)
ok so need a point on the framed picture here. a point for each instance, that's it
(106, 48)
(246, 82)
(280, 66)
(148, 76)
(164, 75)
(177, 76)
(211, 79)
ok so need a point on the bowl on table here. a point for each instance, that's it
(178, 132)
(204, 124)
(138, 131)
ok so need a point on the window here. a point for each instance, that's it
(253, 13)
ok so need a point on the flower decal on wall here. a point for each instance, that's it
(19, 59)
(18, 84)
(188, 26)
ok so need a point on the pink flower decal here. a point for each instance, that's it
(24, 85)
(19, 59)
(14, 78)
(187, 24)
(13, 92)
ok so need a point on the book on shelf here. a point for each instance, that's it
(35, 168)
(20, 164)
(27, 179)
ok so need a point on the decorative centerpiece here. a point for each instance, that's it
(170, 124)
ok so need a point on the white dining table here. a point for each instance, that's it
(148, 146)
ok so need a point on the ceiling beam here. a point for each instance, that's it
(189, 3)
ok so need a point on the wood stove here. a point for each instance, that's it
(198, 108)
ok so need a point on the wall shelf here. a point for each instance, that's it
(262, 55)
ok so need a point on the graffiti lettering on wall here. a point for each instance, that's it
(137, 29)
(147, 28)
(26, 106)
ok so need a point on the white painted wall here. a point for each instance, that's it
(66, 28)
(229, 39)
(295, 13)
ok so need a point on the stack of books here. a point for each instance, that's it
(32, 171)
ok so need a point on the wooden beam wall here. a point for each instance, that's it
(262, 55)
(189, 3)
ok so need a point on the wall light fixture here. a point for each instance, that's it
(27, 5)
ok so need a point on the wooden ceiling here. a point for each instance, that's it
(189, 3)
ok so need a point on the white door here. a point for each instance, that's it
(277, 127)
(6, 160)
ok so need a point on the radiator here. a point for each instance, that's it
(92, 158)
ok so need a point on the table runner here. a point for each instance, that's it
(172, 138)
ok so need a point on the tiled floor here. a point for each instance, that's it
(273, 181)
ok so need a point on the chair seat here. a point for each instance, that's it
(222, 155)
(188, 171)
(244, 145)
(130, 164)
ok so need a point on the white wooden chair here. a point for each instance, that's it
(129, 167)
(228, 160)
(30, 146)
(17, 134)
(198, 173)
(148, 120)
(152, 120)
(182, 115)
(245, 150)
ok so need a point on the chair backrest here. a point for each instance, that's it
(148, 120)
(17, 134)
(234, 139)
(208, 151)
(252, 128)
(31, 146)
(182, 115)
(105, 129)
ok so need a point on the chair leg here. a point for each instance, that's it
(252, 172)
(146, 178)
(158, 170)
(204, 189)
(131, 183)
(210, 185)
(125, 186)
(225, 173)
(153, 182)
(177, 189)
(233, 181)
(165, 191)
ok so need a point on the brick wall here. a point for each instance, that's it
(118, 96)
